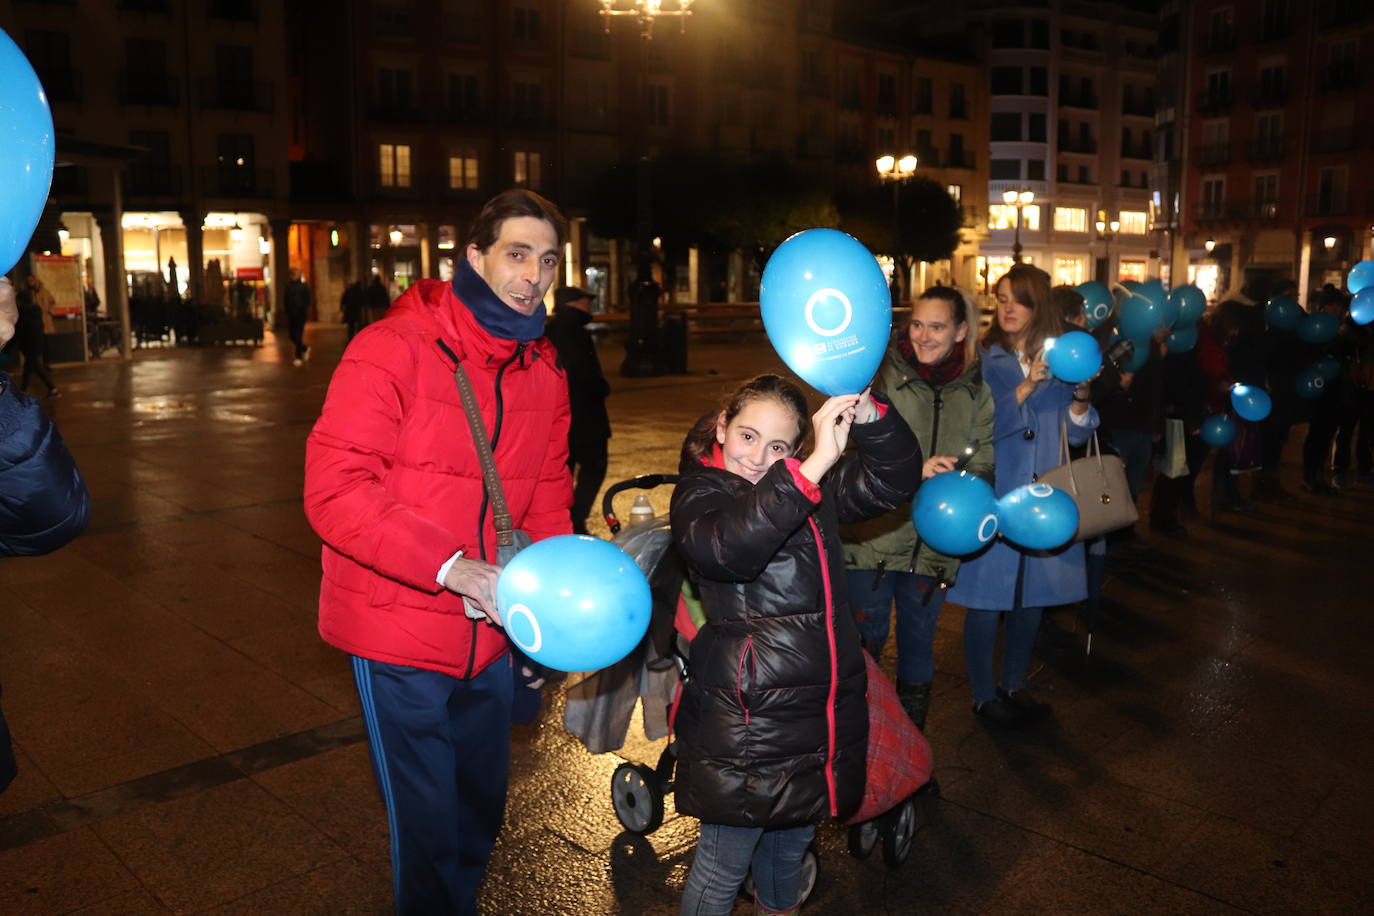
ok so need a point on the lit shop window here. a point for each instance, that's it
(1070, 219)
(1002, 216)
(1133, 222)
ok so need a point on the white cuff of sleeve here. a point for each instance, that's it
(1083, 419)
(443, 570)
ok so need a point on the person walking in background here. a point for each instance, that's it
(1030, 407)
(587, 390)
(932, 376)
(378, 301)
(352, 304)
(35, 323)
(394, 488)
(298, 301)
(1327, 408)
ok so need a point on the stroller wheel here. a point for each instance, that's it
(810, 874)
(863, 839)
(637, 798)
(898, 829)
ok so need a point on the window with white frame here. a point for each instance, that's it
(1070, 219)
(463, 172)
(1003, 216)
(1134, 222)
(527, 169)
(393, 165)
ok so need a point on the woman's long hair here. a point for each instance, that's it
(963, 313)
(1030, 286)
(702, 437)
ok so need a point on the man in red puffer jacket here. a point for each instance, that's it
(394, 488)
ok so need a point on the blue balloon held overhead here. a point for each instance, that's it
(1362, 306)
(26, 152)
(1181, 339)
(574, 603)
(1166, 309)
(1075, 357)
(1361, 277)
(1218, 430)
(1097, 302)
(1310, 383)
(1250, 402)
(1140, 317)
(1283, 314)
(1038, 517)
(1318, 328)
(827, 309)
(1192, 305)
(955, 513)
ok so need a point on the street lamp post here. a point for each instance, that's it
(895, 171)
(1106, 231)
(1018, 199)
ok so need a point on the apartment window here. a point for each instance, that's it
(1061, 172)
(528, 25)
(528, 99)
(463, 172)
(887, 138)
(1006, 126)
(658, 104)
(1007, 80)
(1039, 81)
(887, 93)
(1039, 33)
(1085, 93)
(464, 93)
(1219, 84)
(1133, 222)
(1004, 169)
(925, 93)
(393, 19)
(1331, 185)
(1035, 123)
(50, 54)
(394, 89)
(1001, 216)
(1213, 194)
(1269, 127)
(527, 169)
(235, 151)
(956, 192)
(1125, 178)
(1008, 33)
(1070, 219)
(956, 148)
(1035, 169)
(1084, 175)
(393, 165)
(1271, 83)
(1266, 194)
(958, 101)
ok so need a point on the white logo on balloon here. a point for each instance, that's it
(1040, 490)
(987, 528)
(520, 610)
(816, 298)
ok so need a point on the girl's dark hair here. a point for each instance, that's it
(1030, 286)
(512, 204)
(1069, 303)
(702, 437)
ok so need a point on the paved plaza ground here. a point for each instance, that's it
(188, 744)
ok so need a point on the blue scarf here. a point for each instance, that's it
(496, 317)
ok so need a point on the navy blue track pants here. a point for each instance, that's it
(441, 753)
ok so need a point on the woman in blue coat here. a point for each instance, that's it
(1030, 407)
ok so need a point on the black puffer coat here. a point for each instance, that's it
(773, 726)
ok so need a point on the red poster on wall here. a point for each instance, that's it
(248, 273)
(61, 274)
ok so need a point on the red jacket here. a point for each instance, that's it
(393, 485)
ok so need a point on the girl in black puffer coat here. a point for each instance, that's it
(773, 725)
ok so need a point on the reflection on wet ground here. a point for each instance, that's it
(189, 745)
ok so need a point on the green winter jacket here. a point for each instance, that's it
(964, 413)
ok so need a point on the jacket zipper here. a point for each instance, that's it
(746, 652)
(834, 670)
(482, 508)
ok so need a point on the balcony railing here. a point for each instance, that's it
(1214, 100)
(235, 181)
(1211, 154)
(1079, 145)
(1329, 205)
(152, 180)
(1265, 150)
(1264, 208)
(960, 159)
(1219, 209)
(148, 88)
(233, 94)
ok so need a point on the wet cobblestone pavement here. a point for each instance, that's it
(188, 744)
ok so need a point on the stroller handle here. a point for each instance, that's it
(642, 482)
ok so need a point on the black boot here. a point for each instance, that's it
(915, 700)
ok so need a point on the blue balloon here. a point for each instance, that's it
(1192, 305)
(1140, 317)
(1181, 339)
(1075, 357)
(1250, 402)
(1362, 306)
(955, 513)
(1310, 383)
(574, 603)
(1282, 313)
(1361, 277)
(1218, 430)
(1166, 309)
(1097, 302)
(26, 152)
(1038, 517)
(827, 309)
(1328, 367)
(1318, 328)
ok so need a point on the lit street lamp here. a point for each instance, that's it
(1019, 200)
(896, 171)
(1106, 231)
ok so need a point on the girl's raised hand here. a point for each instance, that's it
(830, 424)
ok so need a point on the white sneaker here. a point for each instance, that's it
(298, 361)
(306, 354)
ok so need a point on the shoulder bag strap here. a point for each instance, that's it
(500, 513)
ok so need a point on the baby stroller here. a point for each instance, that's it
(599, 707)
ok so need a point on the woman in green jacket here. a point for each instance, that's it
(932, 376)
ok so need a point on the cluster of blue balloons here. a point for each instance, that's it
(957, 514)
(1360, 282)
(26, 152)
(1144, 310)
(574, 603)
(827, 309)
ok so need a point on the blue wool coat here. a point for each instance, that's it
(1026, 443)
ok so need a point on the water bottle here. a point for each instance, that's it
(642, 510)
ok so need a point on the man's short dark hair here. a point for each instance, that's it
(512, 204)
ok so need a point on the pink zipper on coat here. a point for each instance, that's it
(834, 670)
(747, 651)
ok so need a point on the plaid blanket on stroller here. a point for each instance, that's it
(899, 760)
